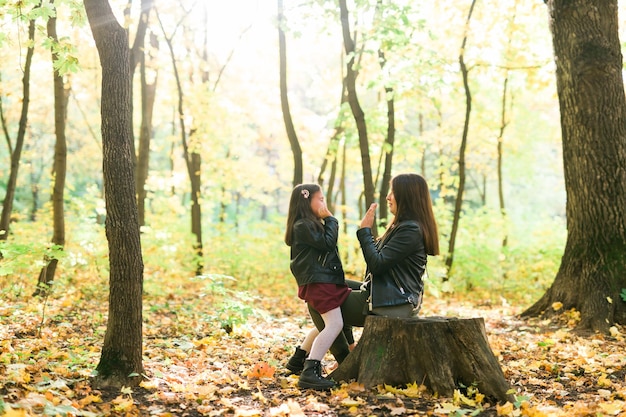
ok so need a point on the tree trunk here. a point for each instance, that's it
(387, 147)
(444, 354)
(593, 126)
(61, 94)
(148, 96)
(148, 92)
(355, 106)
(196, 208)
(121, 359)
(193, 162)
(16, 152)
(503, 124)
(458, 203)
(332, 153)
(298, 173)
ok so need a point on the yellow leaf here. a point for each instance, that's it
(446, 408)
(504, 410)
(460, 398)
(603, 381)
(14, 412)
(247, 412)
(556, 306)
(349, 402)
(612, 408)
(259, 396)
(123, 404)
(529, 411)
(89, 400)
(288, 409)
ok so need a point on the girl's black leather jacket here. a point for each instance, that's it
(314, 254)
(395, 264)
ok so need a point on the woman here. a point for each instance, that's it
(396, 261)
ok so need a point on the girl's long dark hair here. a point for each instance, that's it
(300, 208)
(413, 203)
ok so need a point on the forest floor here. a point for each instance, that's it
(49, 350)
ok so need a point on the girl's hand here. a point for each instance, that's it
(323, 212)
(368, 219)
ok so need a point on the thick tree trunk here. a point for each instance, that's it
(593, 124)
(440, 353)
(121, 358)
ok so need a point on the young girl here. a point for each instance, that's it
(312, 234)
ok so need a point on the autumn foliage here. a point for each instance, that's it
(215, 346)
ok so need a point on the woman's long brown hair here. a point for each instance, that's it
(413, 203)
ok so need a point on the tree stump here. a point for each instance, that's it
(439, 352)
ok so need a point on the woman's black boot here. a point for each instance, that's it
(311, 376)
(296, 362)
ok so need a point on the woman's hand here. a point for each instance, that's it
(368, 219)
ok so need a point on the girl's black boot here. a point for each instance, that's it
(296, 362)
(311, 376)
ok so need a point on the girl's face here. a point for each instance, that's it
(391, 202)
(317, 203)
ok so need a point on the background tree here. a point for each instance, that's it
(284, 99)
(458, 202)
(61, 94)
(332, 153)
(147, 99)
(191, 152)
(593, 123)
(355, 106)
(15, 150)
(121, 358)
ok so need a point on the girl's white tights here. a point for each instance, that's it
(333, 324)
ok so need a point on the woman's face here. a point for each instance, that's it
(391, 202)
(317, 202)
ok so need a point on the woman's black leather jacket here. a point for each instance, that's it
(314, 254)
(395, 264)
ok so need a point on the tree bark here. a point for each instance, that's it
(298, 173)
(121, 359)
(441, 353)
(593, 125)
